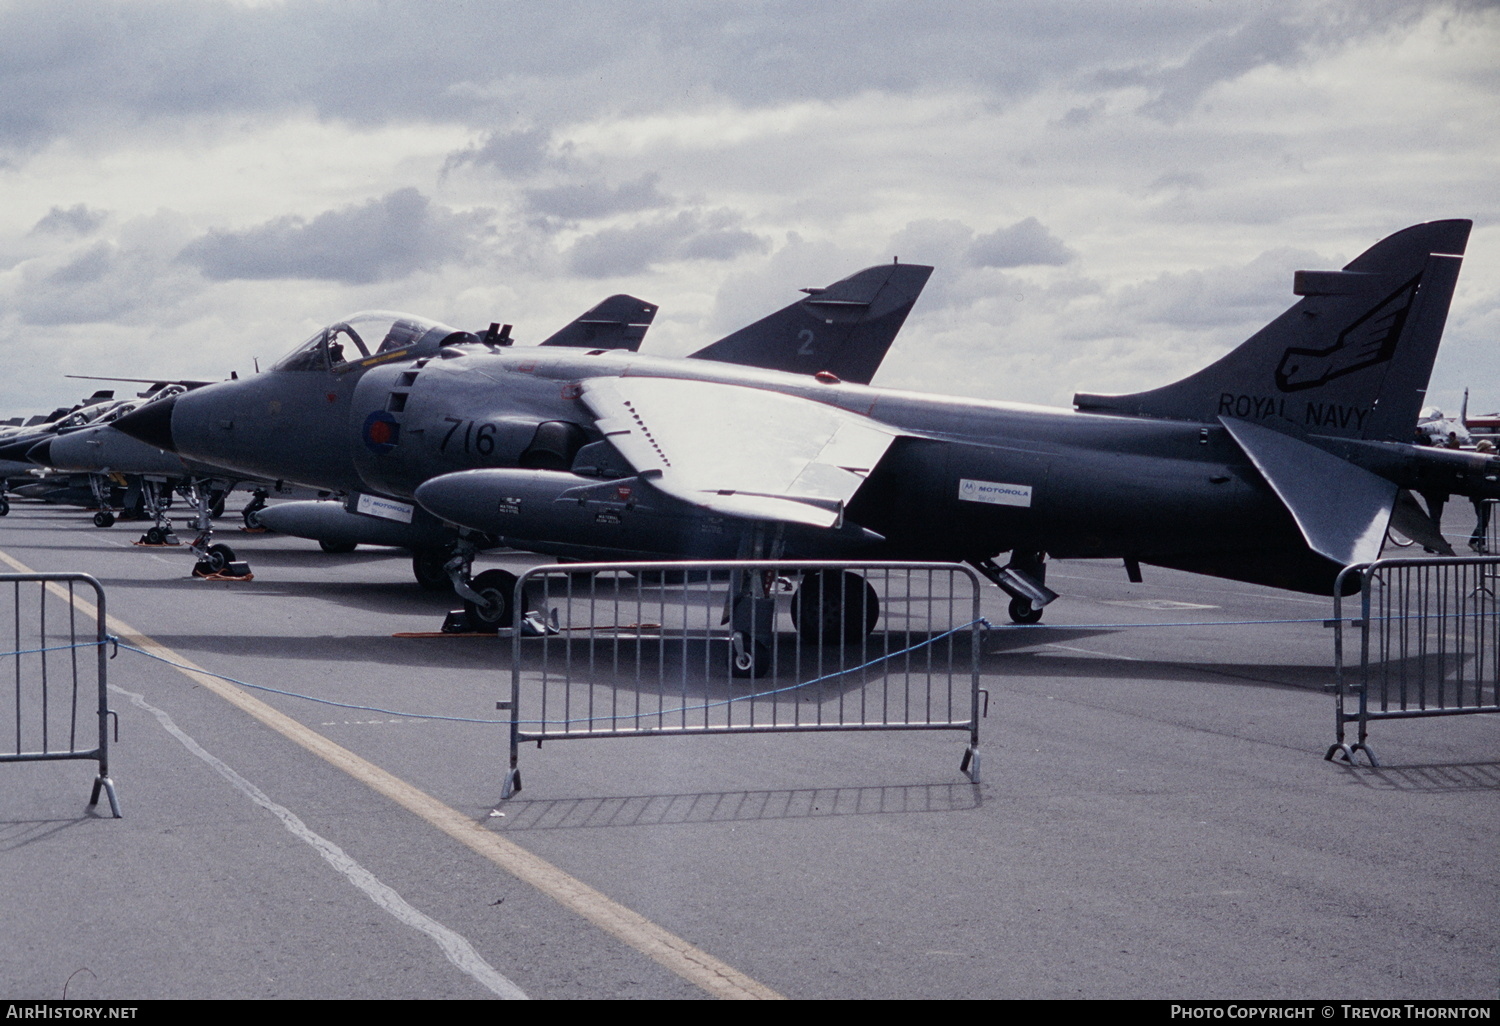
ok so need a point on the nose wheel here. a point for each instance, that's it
(215, 558)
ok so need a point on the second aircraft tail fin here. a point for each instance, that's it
(845, 329)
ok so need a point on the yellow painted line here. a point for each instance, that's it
(687, 961)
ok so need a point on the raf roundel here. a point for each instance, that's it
(382, 431)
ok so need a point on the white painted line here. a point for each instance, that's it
(691, 963)
(458, 950)
(1093, 652)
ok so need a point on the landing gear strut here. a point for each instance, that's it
(154, 503)
(214, 561)
(752, 622)
(1023, 579)
(252, 508)
(489, 597)
(99, 485)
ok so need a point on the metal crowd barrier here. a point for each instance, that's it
(1428, 639)
(55, 665)
(623, 650)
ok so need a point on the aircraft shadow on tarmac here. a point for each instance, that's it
(1014, 660)
(737, 806)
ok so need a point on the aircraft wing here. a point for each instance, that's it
(738, 450)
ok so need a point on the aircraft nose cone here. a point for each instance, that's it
(151, 423)
(41, 453)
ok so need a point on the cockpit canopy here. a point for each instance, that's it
(366, 334)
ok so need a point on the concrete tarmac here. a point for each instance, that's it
(1155, 820)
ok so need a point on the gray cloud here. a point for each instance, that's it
(380, 240)
(106, 282)
(590, 199)
(89, 267)
(1023, 244)
(1254, 292)
(75, 220)
(688, 235)
(1174, 181)
(1265, 40)
(517, 154)
(95, 62)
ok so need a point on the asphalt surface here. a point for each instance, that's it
(1155, 819)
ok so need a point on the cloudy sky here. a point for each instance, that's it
(1113, 194)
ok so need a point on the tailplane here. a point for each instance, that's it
(845, 329)
(1350, 359)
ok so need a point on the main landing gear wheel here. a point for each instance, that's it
(430, 568)
(498, 588)
(337, 548)
(834, 607)
(155, 536)
(4, 506)
(104, 518)
(219, 557)
(1022, 613)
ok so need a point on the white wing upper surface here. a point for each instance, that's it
(738, 450)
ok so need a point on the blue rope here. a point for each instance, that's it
(1117, 626)
(292, 694)
(660, 713)
(545, 723)
(760, 694)
(57, 648)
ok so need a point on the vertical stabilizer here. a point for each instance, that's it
(620, 322)
(845, 329)
(1350, 359)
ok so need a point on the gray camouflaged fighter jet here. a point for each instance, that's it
(1278, 464)
(377, 424)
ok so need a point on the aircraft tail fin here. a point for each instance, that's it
(845, 329)
(620, 322)
(1351, 358)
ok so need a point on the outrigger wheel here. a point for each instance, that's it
(749, 657)
(337, 548)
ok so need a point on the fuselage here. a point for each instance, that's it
(964, 479)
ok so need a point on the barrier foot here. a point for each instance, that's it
(102, 783)
(970, 764)
(512, 783)
(1345, 753)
